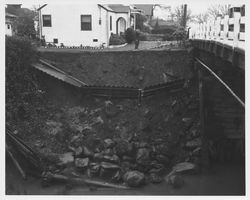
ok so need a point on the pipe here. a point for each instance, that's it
(222, 82)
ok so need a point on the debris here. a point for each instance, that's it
(176, 181)
(134, 178)
(193, 143)
(109, 143)
(48, 178)
(142, 156)
(66, 159)
(155, 178)
(82, 163)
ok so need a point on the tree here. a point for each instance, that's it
(140, 20)
(200, 18)
(179, 14)
(24, 24)
(218, 10)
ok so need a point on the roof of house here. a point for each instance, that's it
(10, 15)
(119, 8)
(147, 8)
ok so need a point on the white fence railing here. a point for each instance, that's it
(230, 31)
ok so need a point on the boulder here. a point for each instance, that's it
(176, 181)
(78, 152)
(112, 159)
(143, 156)
(134, 178)
(98, 157)
(123, 147)
(155, 178)
(87, 152)
(109, 143)
(162, 159)
(185, 167)
(66, 159)
(109, 152)
(82, 163)
(108, 170)
(94, 169)
(192, 144)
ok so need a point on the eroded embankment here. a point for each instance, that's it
(128, 68)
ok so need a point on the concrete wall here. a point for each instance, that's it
(127, 68)
(66, 24)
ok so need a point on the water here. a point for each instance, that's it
(221, 179)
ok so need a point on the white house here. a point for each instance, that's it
(9, 19)
(86, 25)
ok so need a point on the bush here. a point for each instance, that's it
(165, 30)
(167, 37)
(116, 40)
(130, 35)
(180, 34)
(21, 84)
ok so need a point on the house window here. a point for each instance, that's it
(55, 41)
(231, 27)
(8, 26)
(47, 20)
(111, 23)
(86, 23)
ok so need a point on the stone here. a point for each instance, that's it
(123, 147)
(78, 152)
(98, 120)
(176, 181)
(192, 144)
(134, 178)
(143, 145)
(94, 169)
(117, 176)
(185, 167)
(98, 157)
(127, 158)
(87, 152)
(158, 171)
(66, 159)
(109, 152)
(197, 151)
(143, 156)
(108, 170)
(162, 159)
(155, 178)
(54, 127)
(112, 159)
(109, 143)
(82, 163)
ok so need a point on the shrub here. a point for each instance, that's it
(180, 34)
(116, 39)
(167, 37)
(21, 84)
(130, 35)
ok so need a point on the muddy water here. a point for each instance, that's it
(219, 180)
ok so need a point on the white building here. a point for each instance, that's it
(86, 25)
(9, 19)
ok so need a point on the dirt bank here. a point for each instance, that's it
(128, 68)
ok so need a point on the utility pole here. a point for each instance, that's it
(185, 16)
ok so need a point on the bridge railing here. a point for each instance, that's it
(229, 30)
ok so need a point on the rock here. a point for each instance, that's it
(185, 167)
(117, 176)
(158, 171)
(127, 158)
(176, 181)
(82, 163)
(155, 178)
(162, 149)
(94, 169)
(134, 178)
(123, 147)
(98, 157)
(78, 152)
(108, 170)
(143, 156)
(109, 143)
(98, 120)
(112, 159)
(197, 151)
(109, 152)
(143, 145)
(162, 159)
(66, 159)
(54, 127)
(87, 152)
(193, 143)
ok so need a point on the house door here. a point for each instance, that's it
(120, 25)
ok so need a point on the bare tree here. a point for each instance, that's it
(218, 10)
(179, 14)
(200, 18)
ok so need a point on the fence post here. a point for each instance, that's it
(236, 29)
(225, 33)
